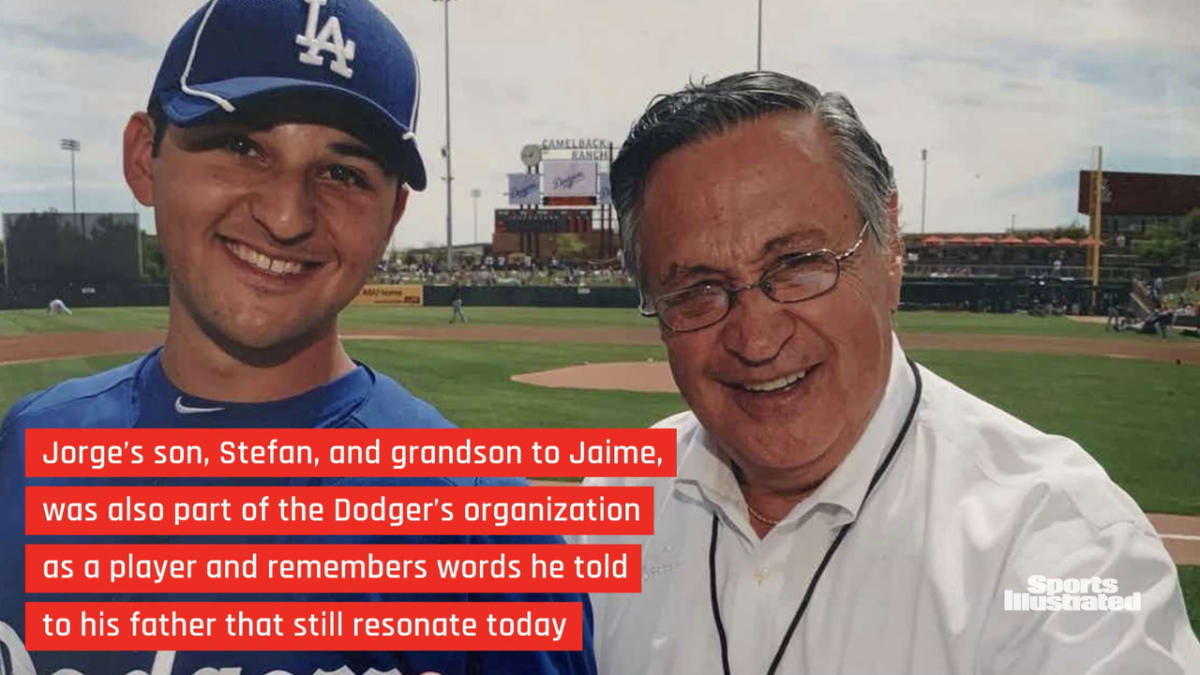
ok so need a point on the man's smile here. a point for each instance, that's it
(268, 264)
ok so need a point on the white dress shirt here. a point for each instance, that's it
(974, 502)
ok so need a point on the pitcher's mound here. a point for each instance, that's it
(634, 376)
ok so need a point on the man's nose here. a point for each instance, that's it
(283, 205)
(757, 327)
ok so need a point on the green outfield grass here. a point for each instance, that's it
(111, 319)
(17, 322)
(1136, 417)
(1189, 578)
(87, 319)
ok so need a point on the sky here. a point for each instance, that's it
(1010, 99)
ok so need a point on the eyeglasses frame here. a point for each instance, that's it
(732, 292)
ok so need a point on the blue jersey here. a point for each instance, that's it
(140, 395)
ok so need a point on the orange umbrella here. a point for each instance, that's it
(958, 240)
(1038, 241)
(984, 240)
(1065, 241)
(931, 240)
(1011, 240)
(1090, 242)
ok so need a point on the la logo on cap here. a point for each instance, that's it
(328, 40)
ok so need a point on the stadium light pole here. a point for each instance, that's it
(446, 151)
(758, 62)
(71, 145)
(924, 179)
(475, 194)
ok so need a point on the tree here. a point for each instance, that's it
(1074, 231)
(569, 245)
(1161, 246)
(1191, 234)
(154, 266)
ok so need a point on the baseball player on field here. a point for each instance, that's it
(277, 150)
(57, 306)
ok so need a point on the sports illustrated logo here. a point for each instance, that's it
(1052, 594)
(163, 664)
(189, 410)
(328, 40)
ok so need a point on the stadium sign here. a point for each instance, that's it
(596, 149)
(410, 295)
(569, 178)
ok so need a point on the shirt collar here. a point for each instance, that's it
(164, 405)
(704, 470)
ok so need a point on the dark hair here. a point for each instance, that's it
(291, 106)
(155, 111)
(702, 110)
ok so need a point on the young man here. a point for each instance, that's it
(278, 153)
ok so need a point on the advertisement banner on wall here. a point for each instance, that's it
(524, 189)
(386, 294)
(569, 178)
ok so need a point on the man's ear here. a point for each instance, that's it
(398, 207)
(895, 251)
(139, 157)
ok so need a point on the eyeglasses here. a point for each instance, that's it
(793, 278)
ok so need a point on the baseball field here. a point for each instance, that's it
(1133, 401)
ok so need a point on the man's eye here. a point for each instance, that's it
(240, 145)
(695, 298)
(344, 174)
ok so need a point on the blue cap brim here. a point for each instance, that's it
(187, 110)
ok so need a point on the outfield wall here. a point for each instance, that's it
(534, 296)
(33, 296)
(977, 294)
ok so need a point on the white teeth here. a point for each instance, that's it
(776, 384)
(263, 261)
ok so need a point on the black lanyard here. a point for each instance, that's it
(812, 585)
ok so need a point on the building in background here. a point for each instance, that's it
(1134, 203)
(560, 208)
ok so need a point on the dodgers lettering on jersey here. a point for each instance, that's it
(139, 395)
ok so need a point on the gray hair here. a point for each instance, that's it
(702, 110)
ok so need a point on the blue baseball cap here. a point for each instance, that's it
(344, 55)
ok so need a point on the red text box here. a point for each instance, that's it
(332, 568)
(248, 510)
(262, 453)
(306, 626)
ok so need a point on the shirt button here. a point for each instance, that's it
(761, 574)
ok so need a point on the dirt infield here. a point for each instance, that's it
(62, 345)
(653, 376)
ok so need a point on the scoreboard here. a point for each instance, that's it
(540, 220)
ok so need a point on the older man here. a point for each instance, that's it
(839, 509)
